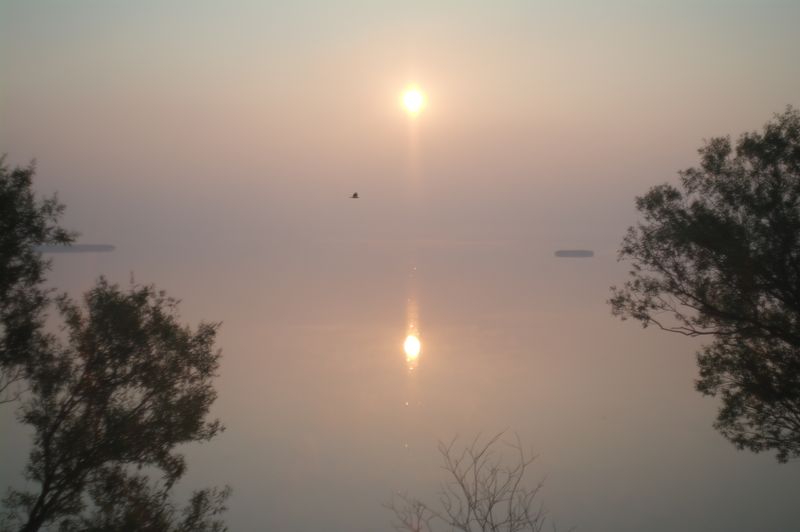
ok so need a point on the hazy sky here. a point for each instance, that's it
(214, 144)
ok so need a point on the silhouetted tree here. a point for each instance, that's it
(25, 222)
(719, 255)
(132, 502)
(126, 385)
(482, 493)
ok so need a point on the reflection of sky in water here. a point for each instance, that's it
(321, 408)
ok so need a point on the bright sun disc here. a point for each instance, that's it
(413, 100)
(411, 347)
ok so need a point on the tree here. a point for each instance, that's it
(126, 386)
(25, 223)
(719, 256)
(483, 493)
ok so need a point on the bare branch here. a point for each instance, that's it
(483, 492)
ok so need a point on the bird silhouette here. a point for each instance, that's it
(354, 196)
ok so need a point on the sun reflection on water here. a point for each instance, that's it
(412, 345)
(412, 348)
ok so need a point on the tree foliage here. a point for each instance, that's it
(719, 255)
(483, 493)
(124, 501)
(127, 385)
(25, 222)
(109, 399)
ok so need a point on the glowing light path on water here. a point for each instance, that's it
(414, 101)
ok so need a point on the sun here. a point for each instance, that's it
(411, 346)
(413, 100)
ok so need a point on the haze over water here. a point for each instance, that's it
(215, 146)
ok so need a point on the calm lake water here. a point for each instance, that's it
(325, 420)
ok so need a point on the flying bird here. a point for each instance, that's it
(354, 196)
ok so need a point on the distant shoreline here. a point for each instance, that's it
(575, 253)
(76, 248)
